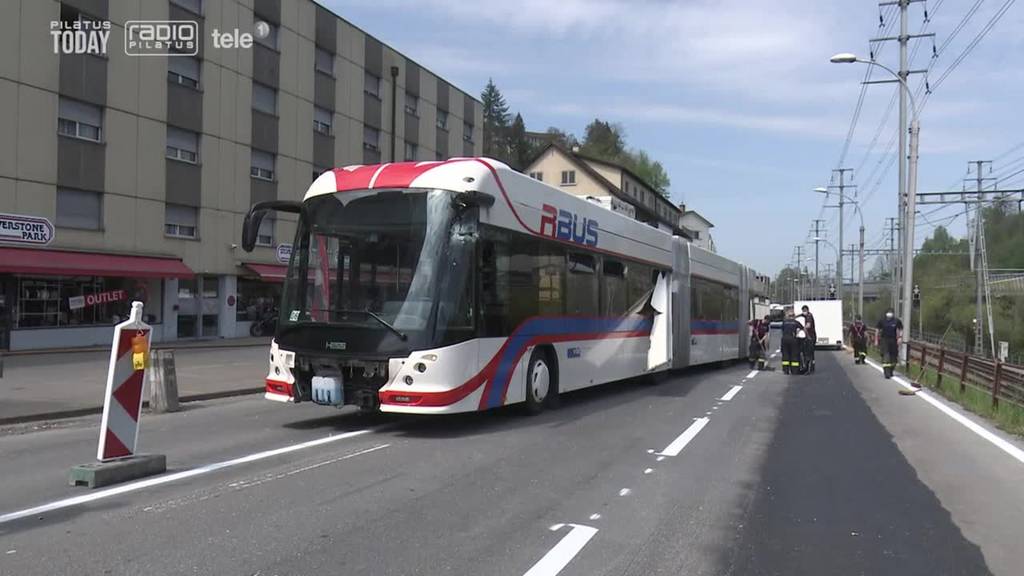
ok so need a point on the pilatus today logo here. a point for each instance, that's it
(80, 36)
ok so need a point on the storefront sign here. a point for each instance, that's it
(76, 302)
(19, 229)
(284, 253)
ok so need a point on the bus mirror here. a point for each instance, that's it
(251, 225)
(471, 198)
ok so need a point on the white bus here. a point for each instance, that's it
(442, 287)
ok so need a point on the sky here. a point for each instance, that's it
(738, 98)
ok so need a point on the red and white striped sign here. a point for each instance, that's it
(119, 430)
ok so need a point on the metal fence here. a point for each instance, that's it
(1002, 381)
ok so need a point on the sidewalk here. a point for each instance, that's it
(58, 384)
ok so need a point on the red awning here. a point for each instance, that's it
(66, 263)
(268, 272)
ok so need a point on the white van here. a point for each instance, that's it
(828, 321)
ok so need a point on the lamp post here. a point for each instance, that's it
(843, 198)
(908, 189)
(833, 246)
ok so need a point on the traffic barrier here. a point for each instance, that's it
(122, 406)
(163, 382)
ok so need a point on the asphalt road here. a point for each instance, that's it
(832, 473)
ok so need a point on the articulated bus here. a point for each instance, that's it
(462, 285)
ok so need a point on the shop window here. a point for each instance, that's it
(84, 301)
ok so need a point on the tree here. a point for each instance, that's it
(564, 139)
(604, 140)
(496, 118)
(519, 148)
(650, 171)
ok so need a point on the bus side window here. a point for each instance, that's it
(581, 293)
(613, 287)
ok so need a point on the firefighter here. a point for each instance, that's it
(758, 342)
(790, 344)
(887, 339)
(859, 337)
(811, 339)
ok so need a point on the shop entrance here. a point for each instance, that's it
(197, 307)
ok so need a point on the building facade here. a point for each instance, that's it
(128, 177)
(608, 183)
(701, 228)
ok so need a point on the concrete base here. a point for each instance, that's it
(96, 474)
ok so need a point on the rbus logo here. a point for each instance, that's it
(565, 225)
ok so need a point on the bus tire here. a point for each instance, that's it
(541, 382)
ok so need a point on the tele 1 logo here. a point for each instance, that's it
(161, 38)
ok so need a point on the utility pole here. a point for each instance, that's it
(891, 223)
(979, 230)
(799, 270)
(817, 240)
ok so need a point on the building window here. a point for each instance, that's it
(265, 235)
(79, 209)
(537, 176)
(180, 221)
(79, 120)
(412, 103)
(182, 145)
(438, 156)
(324, 62)
(270, 40)
(371, 138)
(264, 98)
(568, 177)
(262, 165)
(442, 119)
(371, 84)
(410, 151)
(66, 301)
(467, 132)
(193, 6)
(322, 120)
(183, 70)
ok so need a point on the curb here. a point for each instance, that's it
(76, 412)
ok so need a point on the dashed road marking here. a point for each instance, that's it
(731, 393)
(752, 374)
(624, 492)
(659, 458)
(648, 470)
(567, 548)
(683, 439)
(595, 516)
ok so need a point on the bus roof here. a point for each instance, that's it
(522, 204)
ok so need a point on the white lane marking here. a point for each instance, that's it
(707, 413)
(971, 425)
(567, 548)
(690, 433)
(624, 492)
(595, 516)
(752, 374)
(648, 470)
(650, 451)
(714, 407)
(168, 478)
(659, 458)
(731, 393)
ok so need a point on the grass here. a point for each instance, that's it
(1007, 416)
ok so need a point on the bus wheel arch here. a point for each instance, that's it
(542, 379)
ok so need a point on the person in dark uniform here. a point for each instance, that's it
(759, 342)
(790, 344)
(859, 337)
(890, 332)
(812, 337)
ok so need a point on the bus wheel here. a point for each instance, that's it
(541, 383)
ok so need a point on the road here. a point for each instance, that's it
(716, 471)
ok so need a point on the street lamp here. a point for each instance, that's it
(843, 198)
(908, 189)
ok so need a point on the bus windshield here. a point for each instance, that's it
(395, 261)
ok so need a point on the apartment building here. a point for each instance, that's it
(127, 177)
(606, 182)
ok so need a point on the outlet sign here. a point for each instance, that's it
(28, 230)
